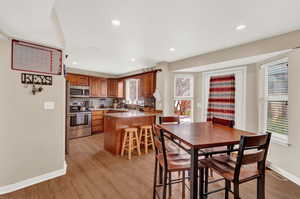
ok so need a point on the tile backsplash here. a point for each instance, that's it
(99, 102)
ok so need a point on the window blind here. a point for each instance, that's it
(277, 98)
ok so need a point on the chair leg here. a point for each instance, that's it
(183, 185)
(165, 180)
(261, 187)
(152, 140)
(227, 188)
(206, 180)
(140, 135)
(160, 174)
(170, 184)
(201, 176)
(211, 171)
(124, 143)
(155, 179)
(130, 146)
(236, 191)
(145, 141)
(138, 143)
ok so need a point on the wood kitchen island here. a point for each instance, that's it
(115, 123)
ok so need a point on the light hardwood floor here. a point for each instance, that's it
(95, 174)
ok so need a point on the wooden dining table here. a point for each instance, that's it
(199, 136)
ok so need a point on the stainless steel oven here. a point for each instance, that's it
(79, 91)
(79, 124)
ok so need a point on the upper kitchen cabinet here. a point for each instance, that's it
(120, 88)
(103, 87)
(98, 87)
(147, 84)
(77, 80)
(112, 87)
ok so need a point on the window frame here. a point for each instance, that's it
(282, 139)
(127, 98)
(191, 96)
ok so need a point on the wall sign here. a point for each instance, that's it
(34, 79)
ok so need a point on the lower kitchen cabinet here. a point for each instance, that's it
(98, 121)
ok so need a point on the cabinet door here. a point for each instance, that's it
(112, 88)
(78, 80)
(72, 79)
(95, 86)
(147, 85)
(82, 80)
(120, 88)
(103, 87)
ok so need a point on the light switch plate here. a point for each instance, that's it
(49, 105)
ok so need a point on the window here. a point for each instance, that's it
(132, 91)
(276, 99)
(183, 86)
(183, 96)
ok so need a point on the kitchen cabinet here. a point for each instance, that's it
(98, 121)
(78, 80)
(103, 87)
(147, 85)
(112, 87)
(94, 87)
(98, 87)
(120, 88)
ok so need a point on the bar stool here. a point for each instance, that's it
(146, 137)
(130, 142)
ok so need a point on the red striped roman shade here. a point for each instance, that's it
(221, 101)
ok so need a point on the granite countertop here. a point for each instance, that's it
(131, 114)
(108, 109)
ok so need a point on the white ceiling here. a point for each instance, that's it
(31, 20)
(148, 28)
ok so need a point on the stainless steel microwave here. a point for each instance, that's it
(79, 91)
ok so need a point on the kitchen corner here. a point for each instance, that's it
(108, 105)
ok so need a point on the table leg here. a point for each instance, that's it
(194, 174)
(230, 148)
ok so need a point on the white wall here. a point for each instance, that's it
(31, 138)
(285, 159)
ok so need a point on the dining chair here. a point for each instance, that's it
(170, 162)
(170, 120)
(223, 122)
(248, 165)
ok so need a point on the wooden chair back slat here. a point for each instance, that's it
(229, 123)
(255, 141)
(169, 119)
(253, 157)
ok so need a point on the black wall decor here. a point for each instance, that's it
(27, 78)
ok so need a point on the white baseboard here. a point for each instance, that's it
(285, 174)
(32, 181)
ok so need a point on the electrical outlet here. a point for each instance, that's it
(49, 105)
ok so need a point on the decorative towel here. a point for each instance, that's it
(221, 101)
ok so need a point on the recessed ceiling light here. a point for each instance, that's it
(116, 22)
(241, 27)
(172, 49)
(74, 62)
(132, 59)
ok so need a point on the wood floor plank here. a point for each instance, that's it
(94, 173)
